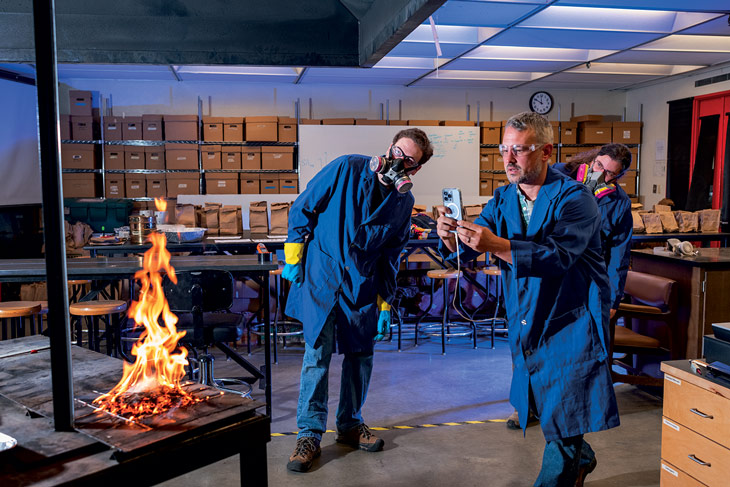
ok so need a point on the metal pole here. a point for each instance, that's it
(478, 113)
(387, 109)
(53, 229)
(381, 112)
(310, 108)
(400, 109)
(468, 112)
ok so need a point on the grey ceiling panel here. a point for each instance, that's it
(680, 5)
(428, 49)
(615, 78)
(482, 14)
(716, 27)
(509, 65)
(668, 57)
(462, 83)
(583, 39)
(364, 74)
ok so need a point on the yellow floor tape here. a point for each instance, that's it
(386, 428)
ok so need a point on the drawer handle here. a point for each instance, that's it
(701, 414)
(697, 460)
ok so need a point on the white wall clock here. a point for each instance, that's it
(541, 102)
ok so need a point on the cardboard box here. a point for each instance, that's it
(82, 127)
(132, 128)
(594, 132)
(80, 185)
(497, 161)
(135, 185)
(181, 156)
(114, 186)
(65, 125)
(182, 183)
(287, 130)
(338, 121)
(288, 183)
(458, 123)
(486, 186)
(154, 157)
(270, 184)
(221, 183)
(556, 132)
(156, 185)
(277, 158)
(398, 122)
(626, 132)
(213, 129)
(78, 156)
(230, 157)
(152, 127)
(134, 158)
(262, 129)
(568, 132)
(427, 123)
(486, 159)
(567, 153)
(233, 129)
(362, 121)
(114, 157)
(587, 118)
(491, 132)
(113, 128)
(80, 102)
(628, 183)
(211, 156)
(634, 157)
(499, 181)
(305, 121)
(181, 127)
(251, 158)
(250, 183)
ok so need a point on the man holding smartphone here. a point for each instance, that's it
(545, 229)
(346, 233)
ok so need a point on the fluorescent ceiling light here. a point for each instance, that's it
(517, 53)
(240, 70)
(638, 69)
(614, 19)
(486, 75)
(452, 34)
(410, 62)
(688, 43)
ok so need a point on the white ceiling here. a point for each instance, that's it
(505, 44)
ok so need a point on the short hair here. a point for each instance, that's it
(618, 152)
(531, 120)
(420, 138)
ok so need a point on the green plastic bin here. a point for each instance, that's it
(101, 215)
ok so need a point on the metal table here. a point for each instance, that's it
(690, 237)
(245, 245)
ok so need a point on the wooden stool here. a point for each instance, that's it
(43, 312)
(94, 311)
(289, 327)
(15, 311)
(446, 327)
(77, 288)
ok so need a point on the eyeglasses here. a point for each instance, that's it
(610, 174)
(398, 153)
(519, 150)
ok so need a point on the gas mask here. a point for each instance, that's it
(393, 168)
(595, 181)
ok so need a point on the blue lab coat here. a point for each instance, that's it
(617, 226)
(556, 296)
(351, 254)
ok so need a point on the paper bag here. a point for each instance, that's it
(709, 221)
(239, 221)
(669, 223)
(686, 221)
(228, 220)
(471, 212)
(662, 208)
(638, 222)
(279, 218)
(185, 215)
(211, 212)
(258, 217)
(652, 222)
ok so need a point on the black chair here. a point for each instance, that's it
(201, 301)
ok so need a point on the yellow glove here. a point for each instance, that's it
(382, 305)
(293, 252)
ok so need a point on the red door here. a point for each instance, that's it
(706, 106)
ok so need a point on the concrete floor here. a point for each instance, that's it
(419, 386)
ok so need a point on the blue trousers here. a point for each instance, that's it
(562, 460)
(314, 385)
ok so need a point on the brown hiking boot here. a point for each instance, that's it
(584, 471)
(361, 437)
(305, 452)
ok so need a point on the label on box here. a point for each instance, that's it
(111, 126)
(135, 186)
(627, 134)
(134, 157)
(670, 470)
(182, 158)
(131, 127)
(152, 127)
(250, 157)
(182, 185)
(76, 156)
(670, 424)
(673, 380)
(211, 155)
(114, 189)
(222, 184)
(277, 156)
(599, 132)
(154, 158)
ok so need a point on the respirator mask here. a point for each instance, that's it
(595, 181)
(681, 248)
(393, 167)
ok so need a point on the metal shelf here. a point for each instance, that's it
(250, 143)
(93, 171)
(148, 171)
(152, 143)
(258, 171)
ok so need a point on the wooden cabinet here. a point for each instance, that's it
(695, 429)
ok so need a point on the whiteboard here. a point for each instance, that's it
(455, 161)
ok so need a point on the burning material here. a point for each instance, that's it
(151, 385)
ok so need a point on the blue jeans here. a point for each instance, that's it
(561, 461)
(313, 389)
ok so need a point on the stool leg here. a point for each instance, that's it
(5, 328)
(276, 317)
(445, 318)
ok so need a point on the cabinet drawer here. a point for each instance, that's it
(671, 476)
(700, 410)
(680, 445)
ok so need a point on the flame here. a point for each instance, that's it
(160, 204)
(151, 384)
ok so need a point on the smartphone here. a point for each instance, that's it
(453, 203)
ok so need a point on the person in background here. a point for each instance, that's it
(545, 227)
(346, 233)
(600, 169)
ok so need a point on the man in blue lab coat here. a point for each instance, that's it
(545, 228)
(346, 232)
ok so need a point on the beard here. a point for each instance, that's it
(524, 177)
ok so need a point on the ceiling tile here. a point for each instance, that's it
(668, 57)
(684, 5)
(509, 65)
(680, 42)
(585, 39)
(115, 71)
(424, 49)
(461, 83)
(716, 27)
(491, 14)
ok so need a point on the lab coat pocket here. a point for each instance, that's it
(569, 336)
(320, 268)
